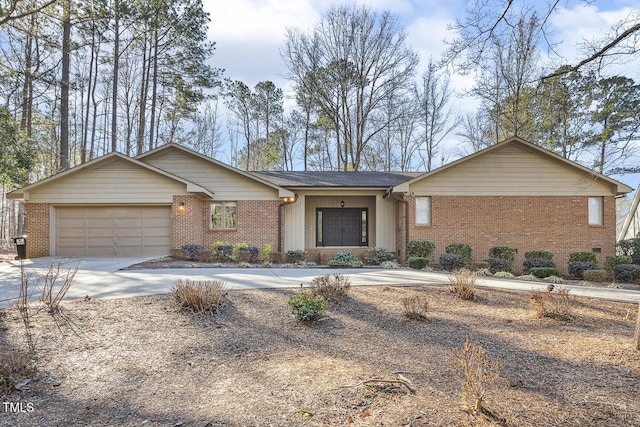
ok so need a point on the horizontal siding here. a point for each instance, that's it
(116, 181)
(511, 171)
(224, 183)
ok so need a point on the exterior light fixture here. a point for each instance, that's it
(342, 203)
(181, 206)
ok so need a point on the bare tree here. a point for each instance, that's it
(352, 61)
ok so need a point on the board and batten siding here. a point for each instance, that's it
(294, 229)
(512, 170)
(226, 184)
(115, 181)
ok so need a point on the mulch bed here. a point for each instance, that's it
(143, 362)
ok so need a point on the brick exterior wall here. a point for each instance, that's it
(557, 224)
(37, 229)
(187, 221)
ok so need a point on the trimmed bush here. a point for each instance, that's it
(483, 272)
(577, 269)
(376, 256)
(611, 261)
(542, 272)
(530, 263)
(504, 274)
(630, 247)
(450, 262)
(502, 252)
(266, 253)
(345, 259)
(539, 255)
(597, 276)
(330, 286)
(223, 251)
(627, 272)
(297, 255)
(461, 249)
(583, 257)
(390, 265)
(417, 262)
(498, 264)
(420, 248)
(192, 252)
(306, 306)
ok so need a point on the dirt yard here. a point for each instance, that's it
(142, 362)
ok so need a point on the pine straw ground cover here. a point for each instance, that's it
(142, 362)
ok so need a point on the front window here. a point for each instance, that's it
(596, 213)
(224, 215)
(423, 210)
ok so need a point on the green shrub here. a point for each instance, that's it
(596, 276)
(503, 274)
(582, 257)
(236, 249)
(577, 269)
(461, 249)
(611, 261)
(390, 265)
(199, 296)
(627, 272)
(420, 248)
(417, 262)
(484, 272)
(539, 255)
(450, 262)
(223, 251)
(345, 259)
(530, 263)
(266, 253)
(376, 256)
(554, 279)
(297, 255)
(330, 286)
(630, 247)
(415, 307)
(306, 306)
(502, 252)
(542, 272)
(498, 264)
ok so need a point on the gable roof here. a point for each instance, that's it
(620, 188)
(361, 179)
(22, 194)
(282, 192)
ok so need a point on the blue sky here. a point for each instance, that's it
(249, 33)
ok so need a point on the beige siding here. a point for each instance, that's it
(294, 228)
(115, 181)
(385, 223)
(224, 183)
(512, 170)
(350, 201)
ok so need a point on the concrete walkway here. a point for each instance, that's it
(106, 278)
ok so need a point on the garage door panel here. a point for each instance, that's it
(113, 231)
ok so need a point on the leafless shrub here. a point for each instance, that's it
(462, 283)
(50, 295)
(200, 296)
(331, 286)
(415, 307)
(555, 303)
(15, 366)
(23, 306)
(476, 371)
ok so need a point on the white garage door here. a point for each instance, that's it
(113, 230)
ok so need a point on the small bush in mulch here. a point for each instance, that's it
(15, 366)
(415, 307)
(417, 263)
(542, 272)
(330, 286)
(554, 303)
(376, 256)
(627, 272)
(451, 262)
(345, 259)
(577, 269)
(530, 263)
(462, 283)
(306, 306)
(200, 296)
(297, 255)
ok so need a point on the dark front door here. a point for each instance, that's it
(342, 227)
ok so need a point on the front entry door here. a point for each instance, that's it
(342, 227)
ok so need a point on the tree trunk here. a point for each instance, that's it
(143, 101)
(116, 70)
(64, 86)
(154, 91)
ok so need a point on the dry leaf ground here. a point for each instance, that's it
(142, 362)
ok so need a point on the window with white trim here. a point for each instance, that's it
(423, 210)
(596, 211)
(224, 215)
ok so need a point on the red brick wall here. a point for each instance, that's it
(257, 224)
(187, 221)
(37, 229)
(557, 224)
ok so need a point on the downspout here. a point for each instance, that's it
(389, 193)
(280, 206)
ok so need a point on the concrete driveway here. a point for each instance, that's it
(105, 278)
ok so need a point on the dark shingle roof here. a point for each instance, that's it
(335, 178)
